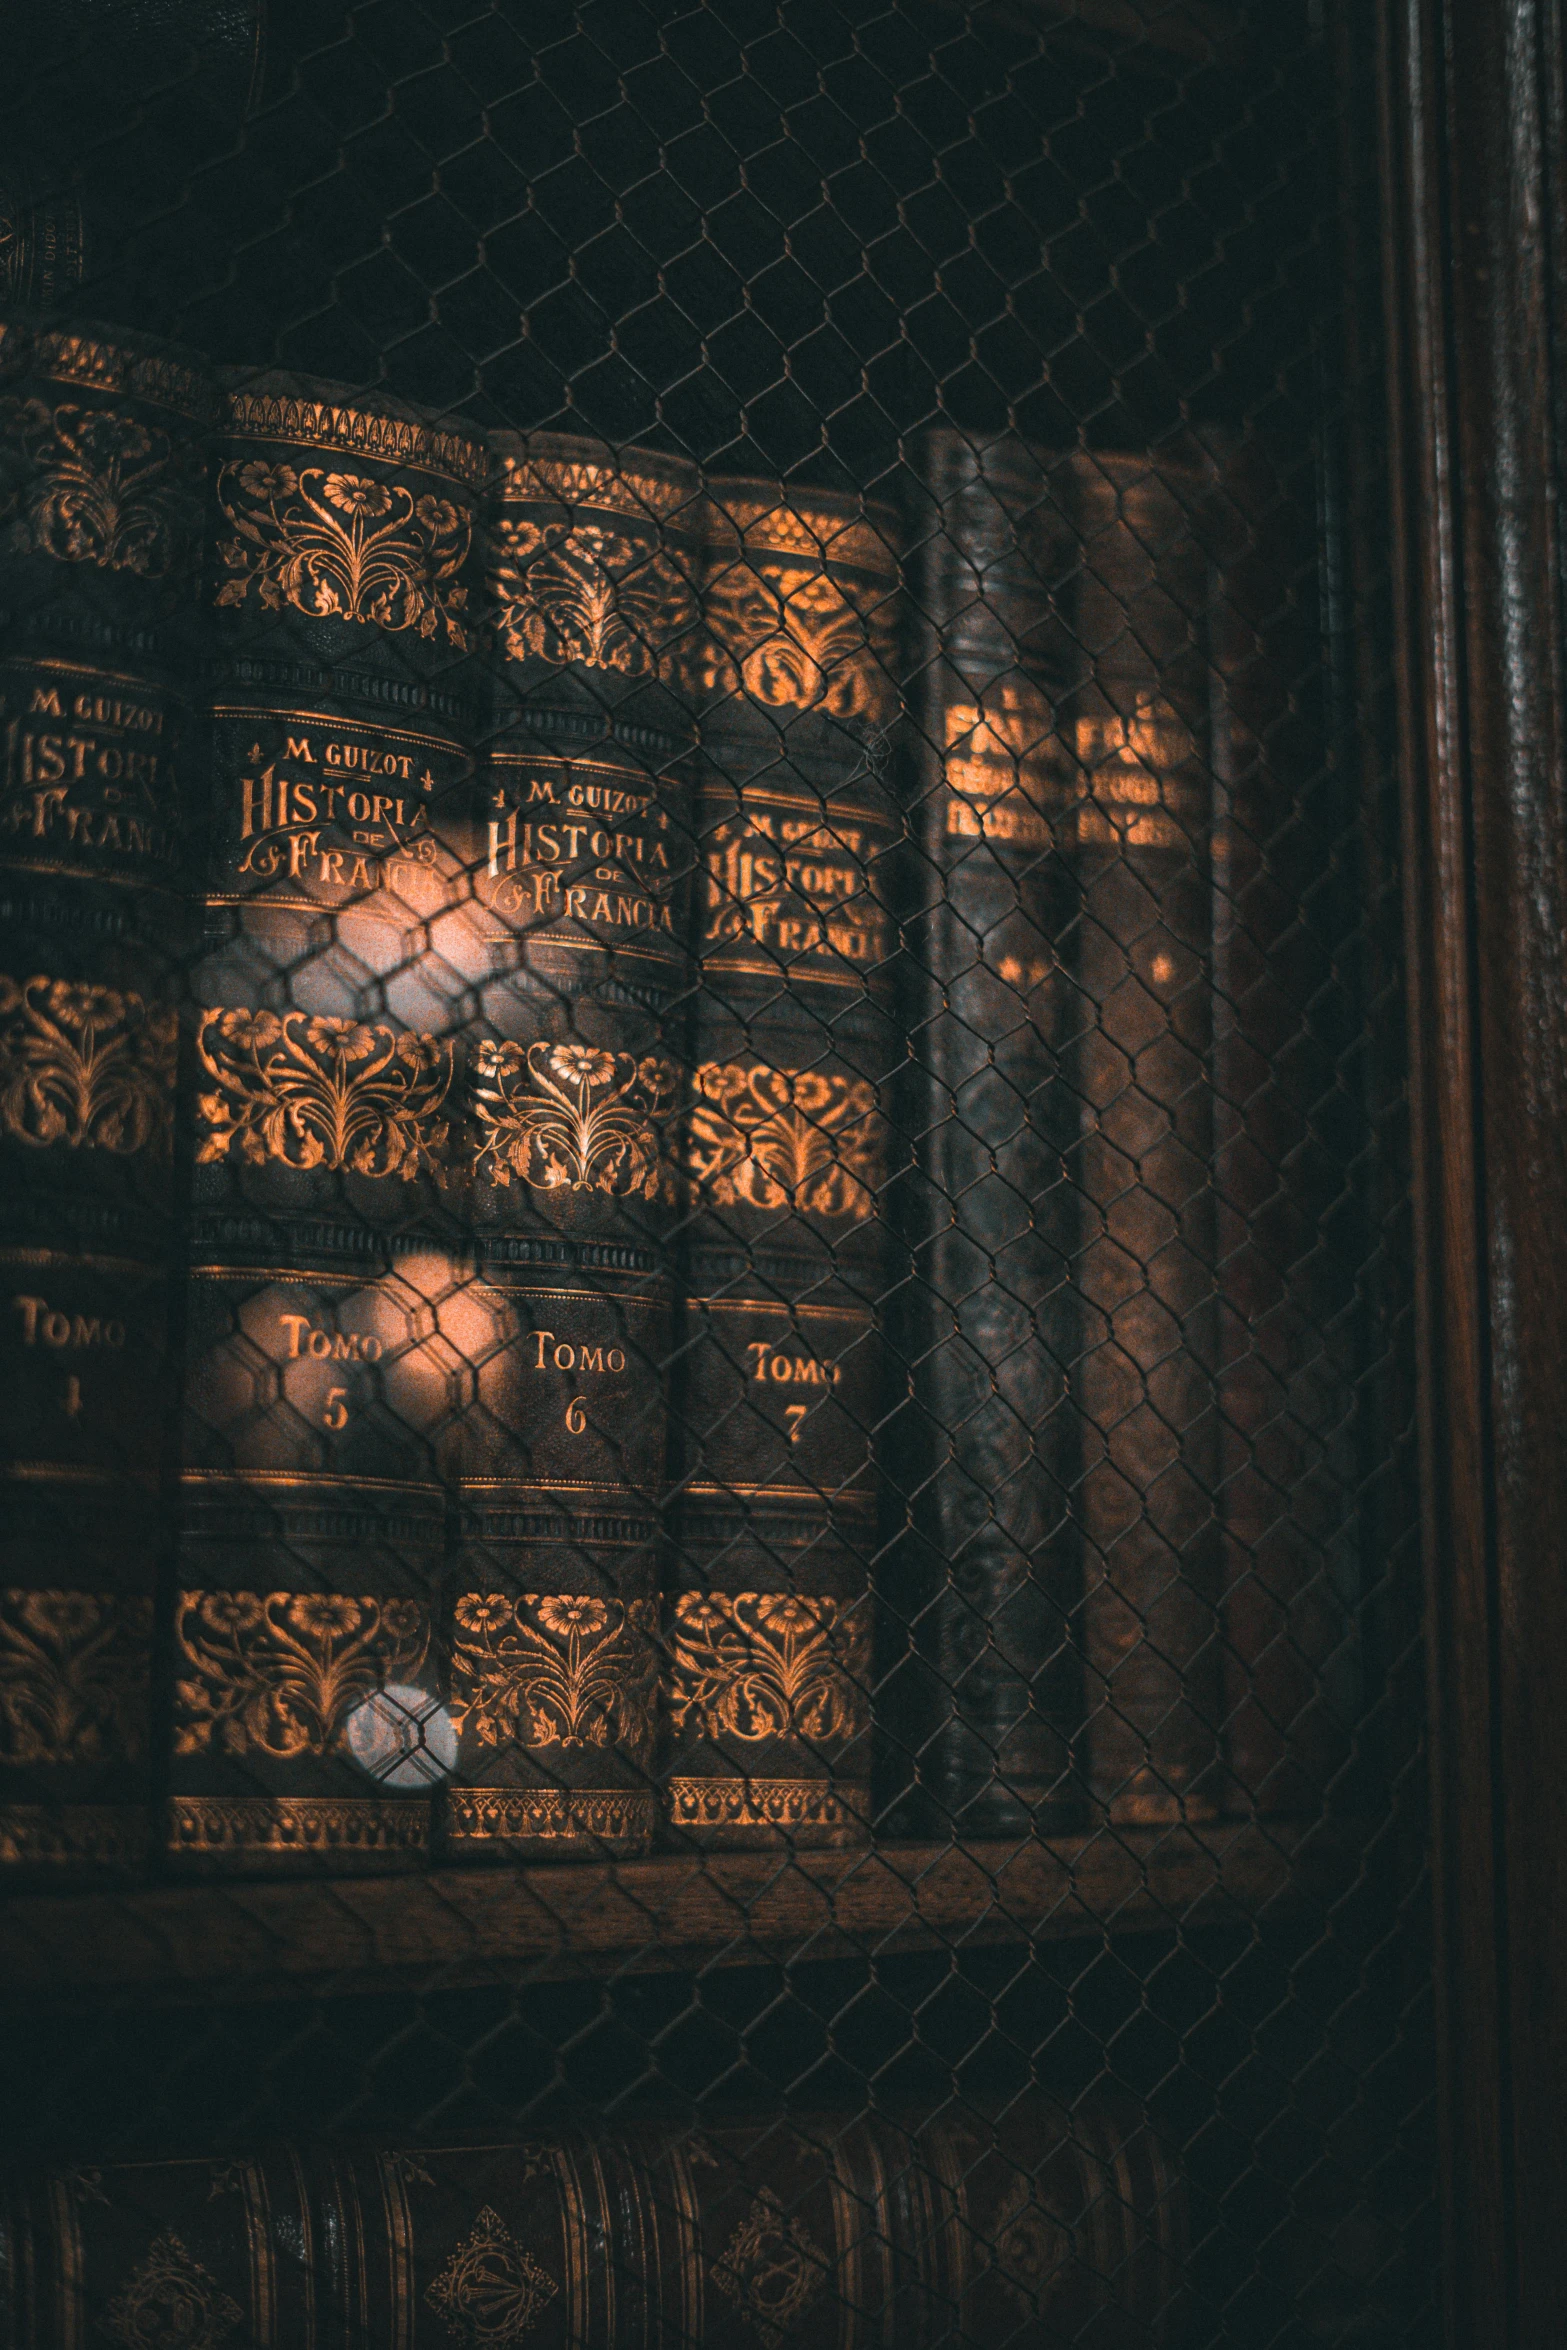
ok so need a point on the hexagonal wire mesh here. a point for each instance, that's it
(712, 1634)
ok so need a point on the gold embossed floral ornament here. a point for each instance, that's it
(588, 594)
(344, 546)
(88, 1067)
(566, 1117)
(92, 485)
(799, 607)
(555, 1670)
(811, 1140)
(312, 1091)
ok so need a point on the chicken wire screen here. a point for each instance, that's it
(708, 1626)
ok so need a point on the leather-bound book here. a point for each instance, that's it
(786, 1147)
(43, 236)
(988, 1451)
(1140, 964)
(1150, 1064)
(821, 2230)
(577, 948)
(101, 487)
(1075, 1277)
(324, 1238)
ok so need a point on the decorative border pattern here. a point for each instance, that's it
(358, 432)
(803, 1807)
(554, 1815)
(766, 522)
(102, 1835)
(291, 1825)
(638, 482)
(107, 367)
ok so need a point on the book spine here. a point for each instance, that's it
(827, 2232)
(43, 235)
(786, 1141)
(990, 1449)
(101, 440)
(581, 862)
(1139, 708)
(319, 1385)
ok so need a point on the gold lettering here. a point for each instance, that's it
(566, 1356)
(45, 702)
(788, 1369)
(339, 1346)
(42, 1322)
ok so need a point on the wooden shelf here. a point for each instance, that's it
(451, 1927)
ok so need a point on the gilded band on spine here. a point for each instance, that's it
(610, 1815)
(295, 1826)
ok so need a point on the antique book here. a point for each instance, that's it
(101, 489)
(1131, 942)
(785, 1145)
(983, 1711)
(823, 2231)
(1137, 709)
(320, 1381)
(43, 236)
(576, 947)
(1067, 833)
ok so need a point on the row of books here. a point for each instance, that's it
(657, 1137)
(822, 2229)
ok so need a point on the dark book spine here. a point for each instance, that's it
(989, 1449)
(43, 236)
(578, 951)
(770, 1635)
(1141, 953)
(820, 2230)
(101, 444)
(1137, 709)
(320, 1385)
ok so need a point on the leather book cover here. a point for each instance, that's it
(102, 463)
(1135, 1083)
(325, 1218)
(983, 1710)
(1138, 714)
(818, 2230)
(577, 949)
(785, 1143)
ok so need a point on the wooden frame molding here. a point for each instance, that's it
(1474, 152)
(258, 1940)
